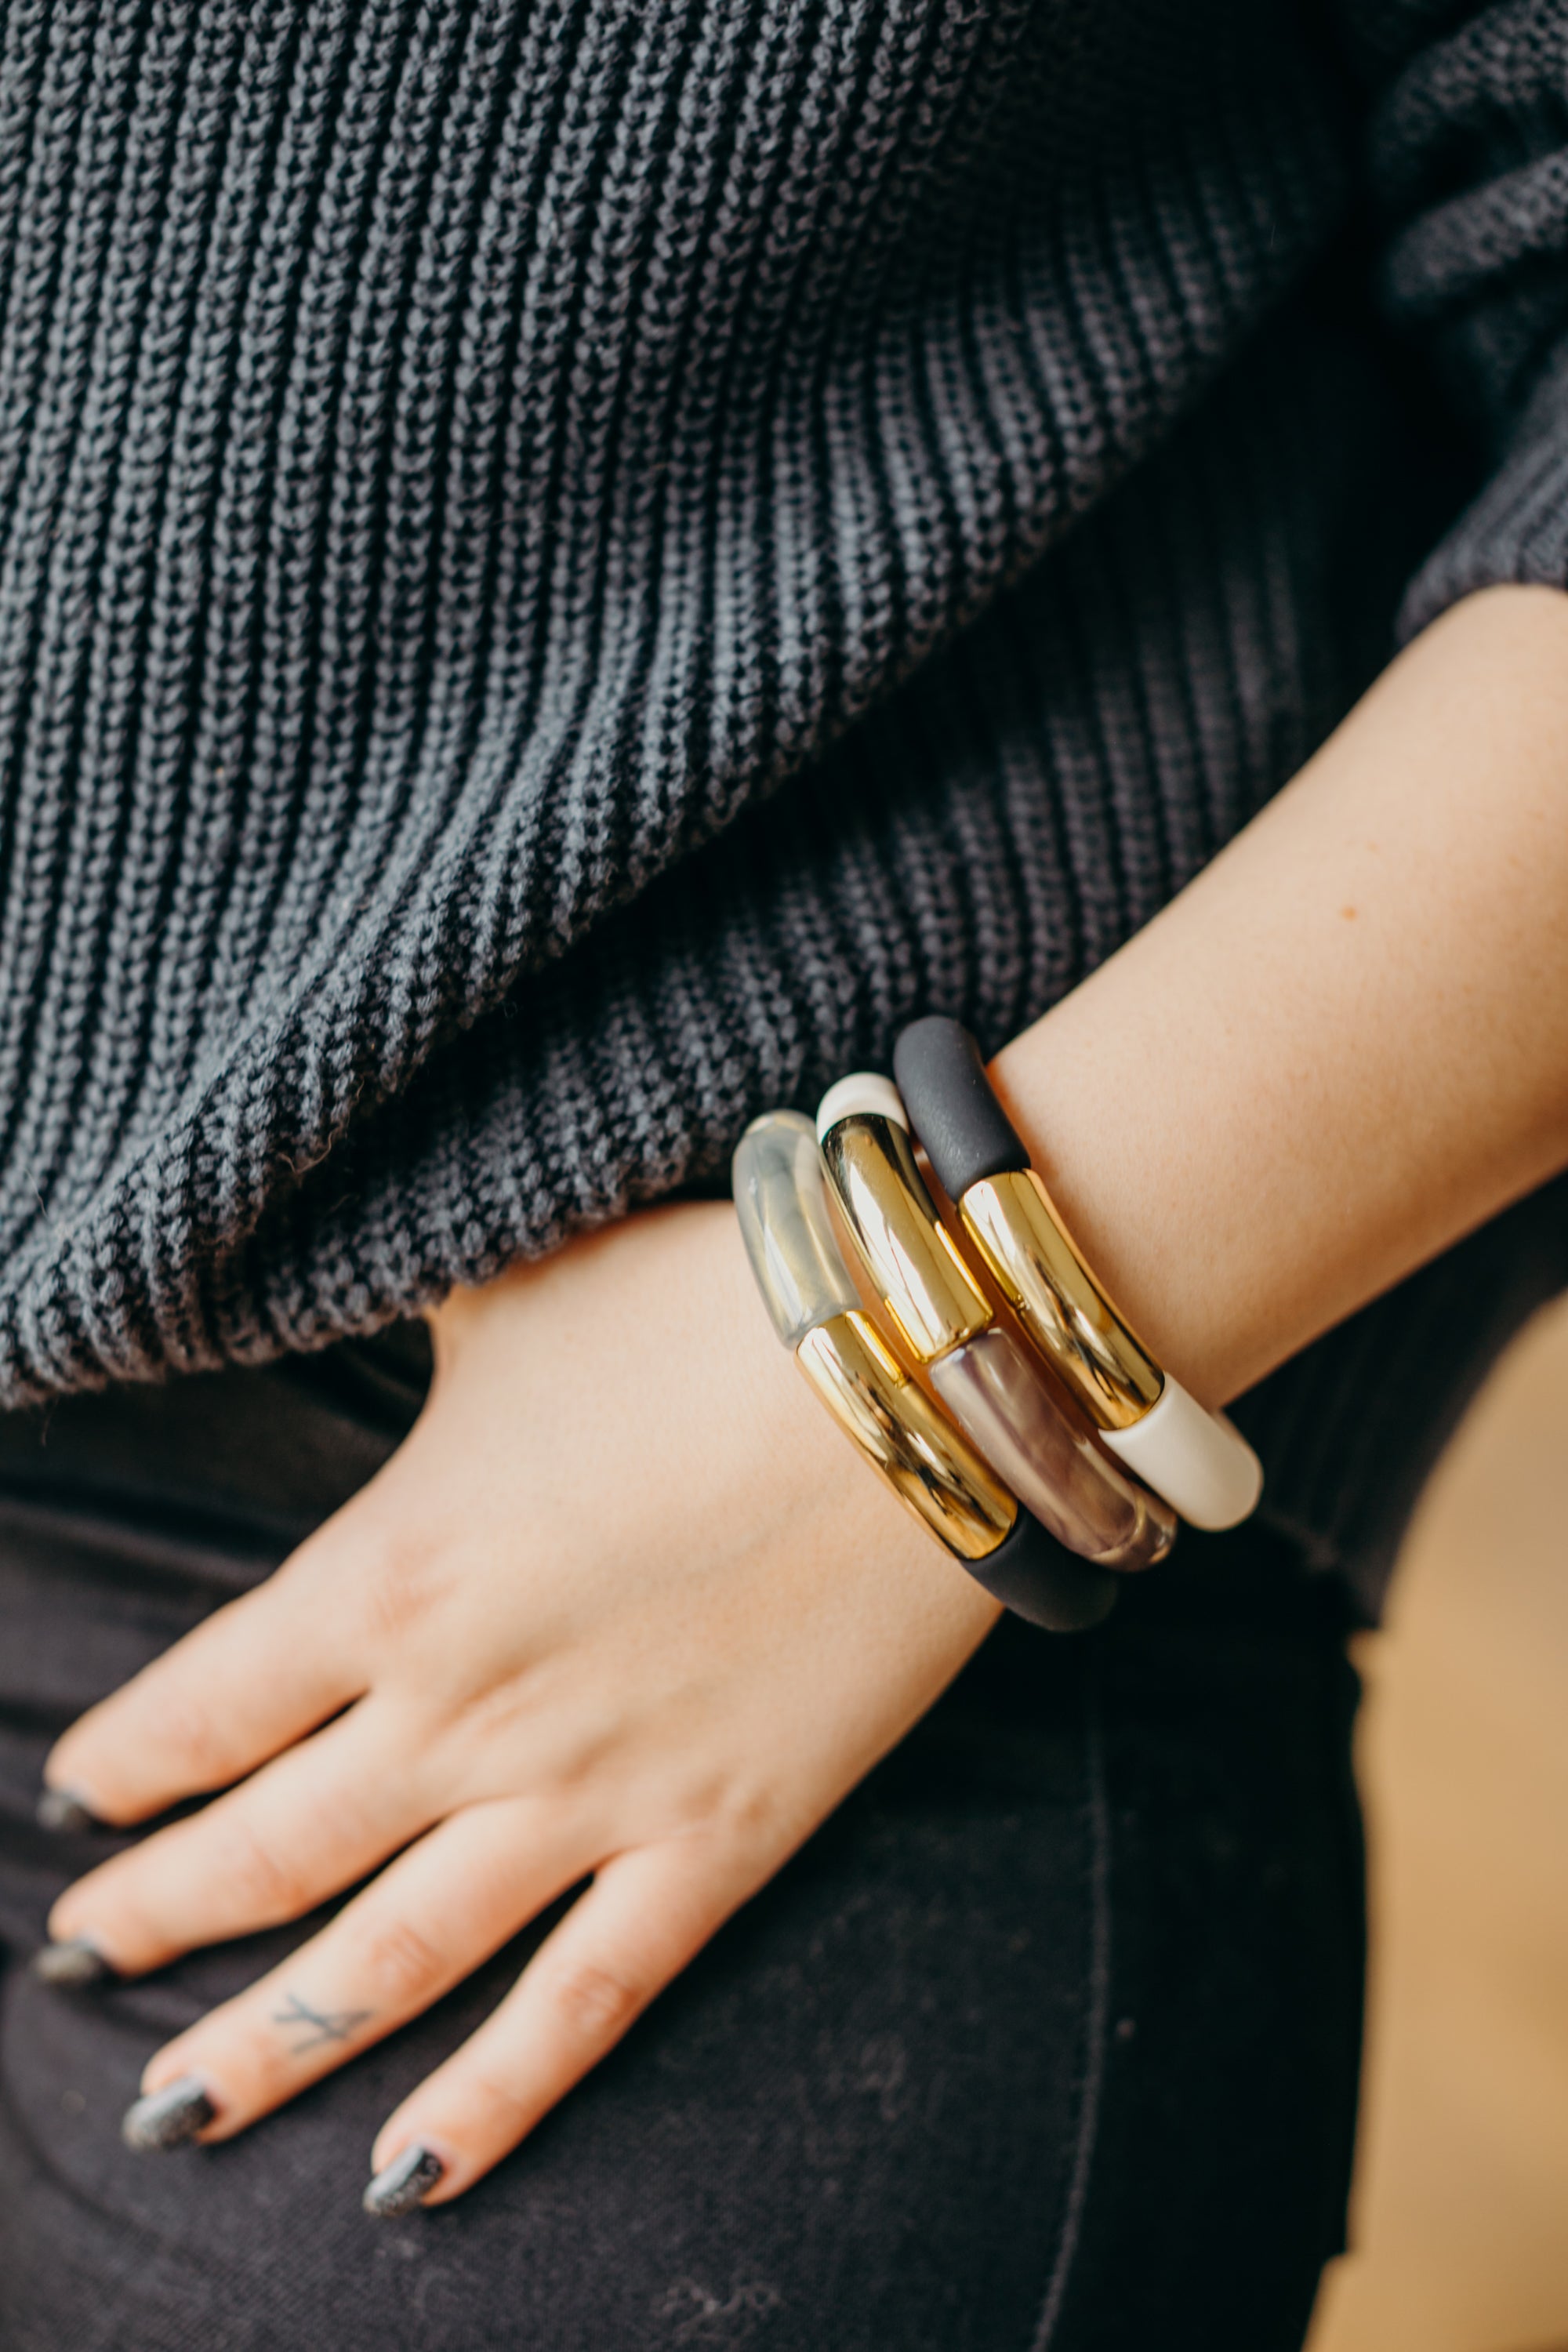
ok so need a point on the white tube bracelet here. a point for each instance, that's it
(1199, 1460)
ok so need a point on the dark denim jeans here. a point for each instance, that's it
(1048, 2039)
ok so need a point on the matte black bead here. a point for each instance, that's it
(1037, 1578)
(953, 1106)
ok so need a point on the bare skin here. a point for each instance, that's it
(626, 1608)
(1346, 1042)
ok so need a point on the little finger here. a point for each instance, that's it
(256, 1676)
(648, 1912)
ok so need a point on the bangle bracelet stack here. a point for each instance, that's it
(781, 1197)
(997, 1391)
(1052, 1464)
(1198, 1461)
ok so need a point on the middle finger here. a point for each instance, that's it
(306, 1825)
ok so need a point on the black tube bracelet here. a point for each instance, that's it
(1197, 1459)
(1035, 1577)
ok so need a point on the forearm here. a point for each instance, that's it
(1346, 1042)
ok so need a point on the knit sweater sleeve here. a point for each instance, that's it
(1469, 156)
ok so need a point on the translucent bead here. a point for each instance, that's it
(781, 1200)
(1001, 1400)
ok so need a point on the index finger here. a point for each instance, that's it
(250, 1680)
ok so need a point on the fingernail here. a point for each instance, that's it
(57, 1810)
(163, 2118)
(404, 2183)
(75, 1962)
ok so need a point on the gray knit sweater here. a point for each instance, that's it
(567, 565)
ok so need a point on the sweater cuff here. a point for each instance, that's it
(1517, 528)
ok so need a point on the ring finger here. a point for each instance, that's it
(471, 1885)
(304, 1827)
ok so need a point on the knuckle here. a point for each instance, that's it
(399, 1586)
(400, 1965)
(262, 1887)
(188, 1734)
(593, 2003)
(755, 1815)
(500, 2109)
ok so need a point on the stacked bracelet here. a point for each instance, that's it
(781, 1197)
(997, 1391)
(1197, 1459)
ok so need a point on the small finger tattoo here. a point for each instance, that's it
(320, 2025)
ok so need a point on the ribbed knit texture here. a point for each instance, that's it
(564, 570)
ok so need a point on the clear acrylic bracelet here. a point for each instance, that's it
(781, 1197)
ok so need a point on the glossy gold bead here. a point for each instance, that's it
(924, 1459)
(1014, 1226)
(932, 1299)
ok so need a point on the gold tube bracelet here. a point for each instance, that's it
(1197, 1459)
(781, 1196)
(1002, 1395)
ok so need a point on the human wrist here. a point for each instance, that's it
(1173, 1282)
(1341, 1046)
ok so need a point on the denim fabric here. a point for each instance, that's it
(1048, 2038)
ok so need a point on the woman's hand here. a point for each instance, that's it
(625, 1606)
(622, 1607)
